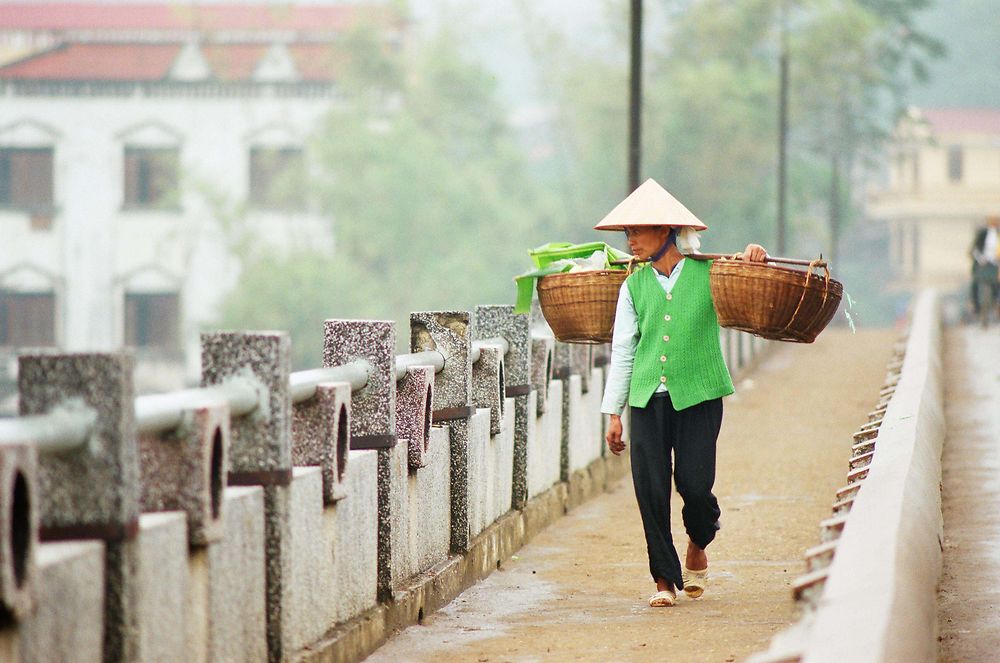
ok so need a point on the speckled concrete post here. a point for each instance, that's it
(539, 325)
(600, 355)
(18, 530)
(542, 351)
(488, 390)
(373, 409)
(583, 357)
(542, 348)
(562, 369)
(186, 469)
(93, 492)
(448, 333)
(493, 321)
(383, 581)
(572, 359)
(321, 435)
(414, 400)
(260, 452)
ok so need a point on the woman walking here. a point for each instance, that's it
(667, 365)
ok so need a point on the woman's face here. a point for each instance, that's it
(644, 241)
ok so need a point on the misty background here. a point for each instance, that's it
(485, 128)
(522, 107)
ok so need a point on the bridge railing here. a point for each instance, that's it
(265, 510)
(870, 590)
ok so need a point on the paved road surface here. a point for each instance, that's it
(969, 600)
(578, 591)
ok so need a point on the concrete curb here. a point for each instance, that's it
(435, 588)
(879, 602)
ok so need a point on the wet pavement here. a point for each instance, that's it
(578, 591)
(969, 598)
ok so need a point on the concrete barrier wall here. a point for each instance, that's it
(420, 508)
(236, 627)
(545, 442)
(163, 586)
(289, 558)
(583, 421)
(879, 603)
(307, 595)
(491, 467)
(870, 591)
(68, 621)
(352, 527)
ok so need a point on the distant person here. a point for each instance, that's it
(667, 364)
(985, 254)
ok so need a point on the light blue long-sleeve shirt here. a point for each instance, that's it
(624, 340)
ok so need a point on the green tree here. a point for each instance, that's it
(429, 196)
(710, 116)
(854, 60)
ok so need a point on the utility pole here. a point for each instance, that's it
(635, 99)
(783, 132)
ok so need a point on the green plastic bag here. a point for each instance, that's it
(546, 259)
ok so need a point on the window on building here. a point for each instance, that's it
(27, 318)
(276, 177)
(26, 178)
(955, 163)
(152, 320)
(152, 177)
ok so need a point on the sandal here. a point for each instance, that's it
(695, 582)
(663, 599)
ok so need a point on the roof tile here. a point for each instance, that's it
(177, 15)
(96, 62)
(963, 120)
(146, 62)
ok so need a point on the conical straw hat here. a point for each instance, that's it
(650, 205)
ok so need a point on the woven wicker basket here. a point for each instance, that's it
(580, 306)
(777, 303)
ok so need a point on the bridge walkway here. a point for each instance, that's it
(578, 591)
(969, 598)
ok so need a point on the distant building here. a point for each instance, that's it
(126, 133)
(944, 179)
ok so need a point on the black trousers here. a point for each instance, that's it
(691, 434)
(984, 277)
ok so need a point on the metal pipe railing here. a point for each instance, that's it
(303, 383)
(426, 358)
(69, 426)
(64, 428)
(437, 360)
(156, 413)
(478, 345)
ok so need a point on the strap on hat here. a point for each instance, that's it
(670, 241)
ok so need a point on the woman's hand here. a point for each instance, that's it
(614, 435)
(754, 253)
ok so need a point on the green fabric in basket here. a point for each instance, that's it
(544, 256)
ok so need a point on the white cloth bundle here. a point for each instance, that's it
(688, 241)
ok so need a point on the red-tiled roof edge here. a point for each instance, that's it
(54, 48)
(983, 120)
(153, 62)
(31, 16)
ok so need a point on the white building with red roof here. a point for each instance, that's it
(126, 133)
(944, 180)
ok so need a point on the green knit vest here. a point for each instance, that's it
(678, 339)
